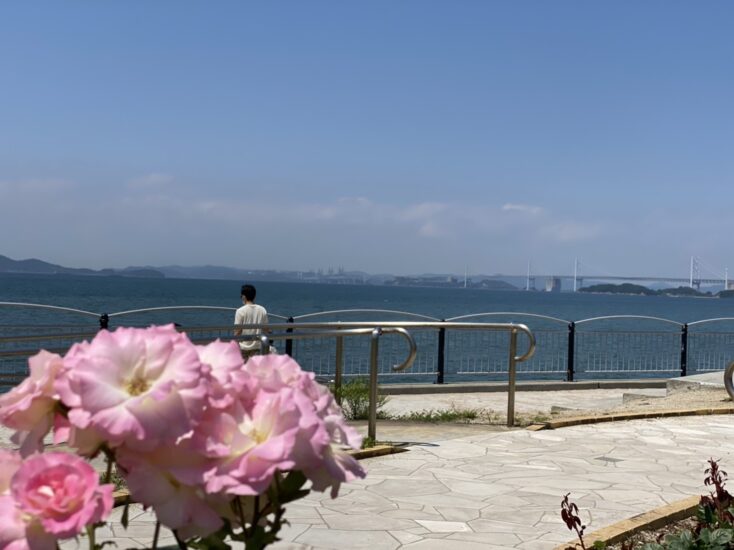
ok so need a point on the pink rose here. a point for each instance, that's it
(323, 433)
(170, 480)
(251, 443)
(138, 387)
(61, 492)
(224, 366)
(29, 407)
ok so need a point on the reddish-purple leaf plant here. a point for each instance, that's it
(718, 505)
(570, 516)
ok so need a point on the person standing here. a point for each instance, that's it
(249, 314)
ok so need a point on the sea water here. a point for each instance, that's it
(638, 347)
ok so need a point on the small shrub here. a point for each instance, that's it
(355, 399)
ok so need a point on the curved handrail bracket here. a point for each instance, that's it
(413, 348)
(56, 308)
(607, 317)
(714, 320)
(509, 313)
(181, 308)
(390, 311)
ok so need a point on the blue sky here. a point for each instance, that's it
(403, 137)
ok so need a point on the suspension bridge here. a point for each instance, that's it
(700, 273)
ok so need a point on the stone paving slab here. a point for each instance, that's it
(502, 489)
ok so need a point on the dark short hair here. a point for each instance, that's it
(249, 292)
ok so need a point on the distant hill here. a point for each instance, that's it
(39, 267)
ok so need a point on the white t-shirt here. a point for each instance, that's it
(250, 314)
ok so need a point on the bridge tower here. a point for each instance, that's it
(530, 280)
(695, 278)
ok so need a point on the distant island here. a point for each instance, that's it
(39, 267)
(628, 288)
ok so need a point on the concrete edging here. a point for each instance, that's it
(579, 420)
(653, 519)
(377, 450)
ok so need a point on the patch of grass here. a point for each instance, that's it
(453, 414)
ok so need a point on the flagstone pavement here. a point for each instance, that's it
(480, 489)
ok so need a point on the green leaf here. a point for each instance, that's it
(599, 545)
(125, 519)
(681, 541)
(290, 487)
(215, 541)
(706, 515)
(717, 538)
(212, 542)
(292, 482)
(260, 539)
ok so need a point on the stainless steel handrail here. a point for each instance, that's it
(495, 327)
(513, 328)
(265, 338)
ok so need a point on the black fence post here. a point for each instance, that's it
(441, 353)
(104, 321)
(289, 342)
(684, 350)
(571, 351)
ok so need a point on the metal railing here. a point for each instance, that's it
(290, 332)
(513, 330)
(630, 346)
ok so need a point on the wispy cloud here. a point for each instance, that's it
(153, 180)
(524, 208)
(566, 232)
(193, 226)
